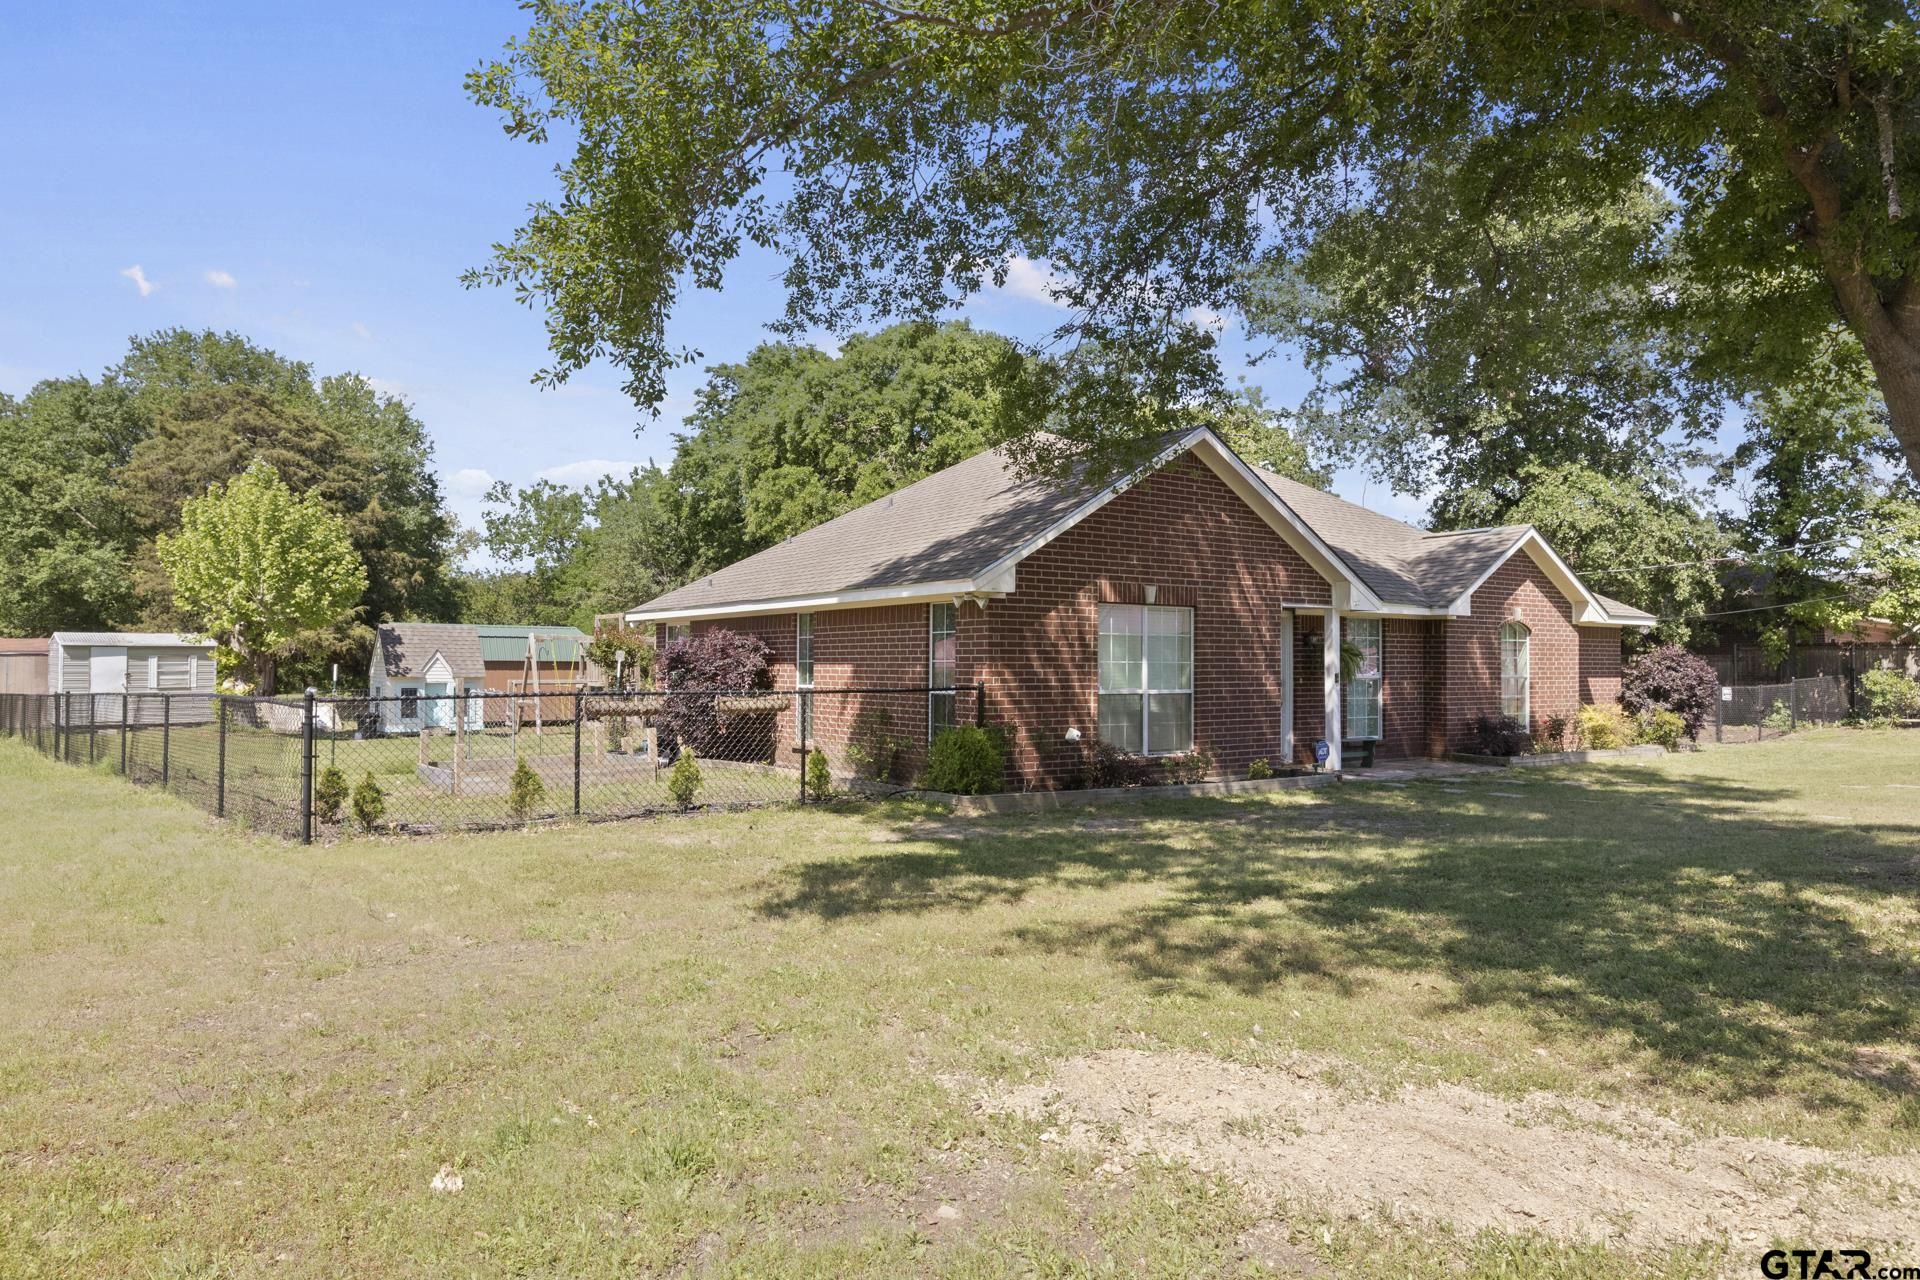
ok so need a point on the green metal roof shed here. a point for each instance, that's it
(509, 644)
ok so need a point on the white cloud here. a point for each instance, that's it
(139, 278)
(219, 279)
(1032, 280)
(388, 387)
(587, 471)
(1206, 318)
(469, 482)
(362, 332)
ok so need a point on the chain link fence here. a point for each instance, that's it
(327, 766)
(1755, 712)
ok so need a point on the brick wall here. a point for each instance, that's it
(1409, 649)
(1570, 664)
(1185, 533)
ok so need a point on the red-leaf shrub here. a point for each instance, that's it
(1671, 679)
(694, 670)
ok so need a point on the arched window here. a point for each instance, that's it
(1516, 671)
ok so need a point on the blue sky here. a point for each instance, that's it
(314, 177)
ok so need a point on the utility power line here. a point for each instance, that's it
(1742, 555)
(1759, 608)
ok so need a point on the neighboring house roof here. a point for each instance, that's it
(131, 639)
(23, 645)
(407, 649)
(960, 530)
(509, 644)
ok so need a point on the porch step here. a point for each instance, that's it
(1357, 755)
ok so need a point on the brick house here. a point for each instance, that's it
(1198, 603)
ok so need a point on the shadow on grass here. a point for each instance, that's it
(1676, 911)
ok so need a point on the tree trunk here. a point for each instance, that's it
(1896, 365)
(263, 675)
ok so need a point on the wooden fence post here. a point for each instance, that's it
(579, 709)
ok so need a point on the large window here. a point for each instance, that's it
(1146, 678)
(1363, 691)
(940, 656)
(1516, 671)
(803, 672)
(677, 631)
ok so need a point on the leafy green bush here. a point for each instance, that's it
(1888, 695)
(1259, 769)
(1500, 735)
(329, 794)
(1779, 718)
(683, 780)
(525, 791)
(1604, 728)
(1661, 726)
(1189, 766)
(819, 774)
(872, 749)
(369, 803)
(967, 760)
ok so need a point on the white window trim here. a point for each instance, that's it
(153, 671)
(1146, 690)
(803, 712)
(403, 691)
(952, 697)
(1526, 678)
(1379, 681)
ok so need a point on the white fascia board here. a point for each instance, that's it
(986, 584)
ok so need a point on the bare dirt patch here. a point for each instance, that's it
(1567, 1167)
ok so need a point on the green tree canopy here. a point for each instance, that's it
(1165, 158)
(258, 568)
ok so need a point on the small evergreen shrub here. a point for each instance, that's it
(1888, 695)
(1662, 727)
(369, 803)
(1671, 679)
(819, 775)
(1500, 735)
(1604, 728)
(330, 792)
(967, 760)
(525, 791)
(683, 780)
(1259, 770)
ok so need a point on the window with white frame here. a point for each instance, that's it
(803, 671)
(153, 671)
(1146, 678)
(678, 631)
(409, 702)
(941, 648)
(1363, 691)
(1516, 671)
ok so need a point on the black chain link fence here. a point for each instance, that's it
(326, 766)
(1755, 712)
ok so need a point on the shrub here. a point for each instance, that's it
(1604, 728)
(329, 794)
(1671, 679)
(624, 656)
(1662, 727)
(369, 803)
(1500, 735)
(872, 749)
(1779, 718)
(683, 780)
(819, 775)
(967, 760)
(1556, 733)
(1888, 695)
(1109, 766)
(525, 791)
(694, 668)
(1188, 766)
(1259, 769)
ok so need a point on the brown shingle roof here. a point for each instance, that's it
(957, 523)
(407, 647)
(23, 644)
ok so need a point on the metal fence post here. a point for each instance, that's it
(93, 730)
(126, 709)
(980, 704)
(220, 785)
(306, 771)
(1793, 703)
(166, 739)
(579, 708)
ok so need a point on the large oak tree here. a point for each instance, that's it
(901, 153)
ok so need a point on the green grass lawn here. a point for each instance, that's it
(769, 1043)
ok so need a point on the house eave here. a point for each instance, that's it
(984, 586)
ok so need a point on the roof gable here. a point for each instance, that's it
(406, 649)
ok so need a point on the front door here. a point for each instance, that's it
(437, 712)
